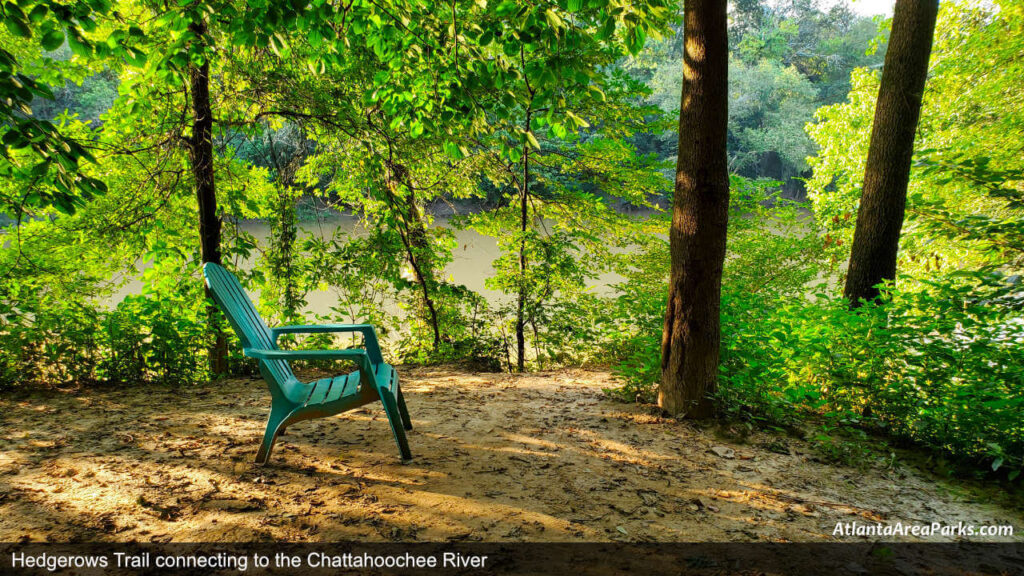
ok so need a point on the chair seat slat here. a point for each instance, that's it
(346, 385)
(321, 388)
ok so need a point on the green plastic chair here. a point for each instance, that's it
(294, 401)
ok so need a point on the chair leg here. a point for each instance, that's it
(395, 419)
(275, 425)
(403, 410)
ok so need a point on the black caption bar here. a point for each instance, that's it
(422, 559)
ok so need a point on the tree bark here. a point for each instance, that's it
(414, 238)
(283, 235)
(420, 258)
(884, 196)
(201, 156)
(700, 215)
(524, 214)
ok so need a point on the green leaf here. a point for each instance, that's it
(79, 46)
(532, 140)
(576, 120)
(101, 6)
(38, 13)
(453, 150)
(14, 139)
(415, 129)
(635, 39)
(52, 40)
(514, 154)
(506, 8)
(16, 22)
(554, 20)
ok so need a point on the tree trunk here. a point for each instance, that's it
(524, 199)
(201, 155)
(414, 238)
(419, 248)
(283, 235)
(884, 197)
(700, 215)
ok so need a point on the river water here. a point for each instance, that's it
(471, 264)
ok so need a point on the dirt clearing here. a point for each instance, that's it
(542, 457)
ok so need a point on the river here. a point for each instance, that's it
(471, 264)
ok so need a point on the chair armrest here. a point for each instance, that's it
(367, 373)
(369, 335)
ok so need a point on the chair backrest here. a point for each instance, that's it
(242, 315)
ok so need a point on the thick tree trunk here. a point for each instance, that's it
(700, 215)
(201, 155)
(884, 197)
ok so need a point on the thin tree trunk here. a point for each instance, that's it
(201, 155)
(524, 199)
(884, 197)
(700, 214)
(284, 234)
(414, 239)
(424, 268)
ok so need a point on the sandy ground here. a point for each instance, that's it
(543, 457)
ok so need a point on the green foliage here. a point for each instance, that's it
(772, 256)
(56, 330)
(936, 364)
(768, 107)
(822, 44)
(963, 208)
(640, 304)
(34, 150)
(787, 59)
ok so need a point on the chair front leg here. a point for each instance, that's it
(275, 425)
(395, 420)
(403, 410)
